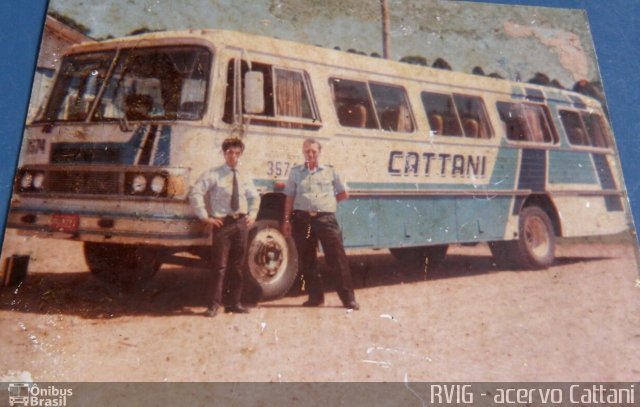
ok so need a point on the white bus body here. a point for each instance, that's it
(432, 157)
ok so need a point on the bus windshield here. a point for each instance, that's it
(159, 83)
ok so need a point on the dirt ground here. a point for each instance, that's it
(467, 321)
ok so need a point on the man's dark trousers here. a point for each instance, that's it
(307, 230)
(228, 250)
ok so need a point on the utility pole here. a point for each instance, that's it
(386, 41)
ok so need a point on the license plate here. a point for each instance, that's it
(65, 223)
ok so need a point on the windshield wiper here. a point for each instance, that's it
(103, 86)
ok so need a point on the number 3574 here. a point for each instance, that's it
(278, 168)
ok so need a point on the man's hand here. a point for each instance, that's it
(249, 221)
(215, 222)
(286, 228)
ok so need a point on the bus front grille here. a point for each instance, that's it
(82, 182)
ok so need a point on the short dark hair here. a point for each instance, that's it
(311, 140)
(232, 142)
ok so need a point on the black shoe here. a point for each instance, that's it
(236, 309)
(352, 305)
(211, 311)
(313, 303)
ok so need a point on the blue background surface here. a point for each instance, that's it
(614, 26)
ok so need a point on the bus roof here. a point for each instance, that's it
(257, 44)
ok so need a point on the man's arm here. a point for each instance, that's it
(342, 196)
(290, 193)
(253, 202)
(196, 198)
(340, 187)
(197, 194)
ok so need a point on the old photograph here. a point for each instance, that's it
(304, 191)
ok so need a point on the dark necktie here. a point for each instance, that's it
(235, 197)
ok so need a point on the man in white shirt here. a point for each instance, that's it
(226, 198)
(313, 191)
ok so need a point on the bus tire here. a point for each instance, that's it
(537, 243)
(433, 256)
(272, 262)
(121, 264)
(535, 247)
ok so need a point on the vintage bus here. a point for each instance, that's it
(431, 157)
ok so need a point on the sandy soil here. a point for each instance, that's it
(467, 321)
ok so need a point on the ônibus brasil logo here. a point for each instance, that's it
(30, 394)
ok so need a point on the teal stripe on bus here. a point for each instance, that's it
(411, 221)
(571, 167)
(163, 149)
(504, 171)
(414, 186)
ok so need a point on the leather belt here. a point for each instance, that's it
(229, 219)
(310, 214)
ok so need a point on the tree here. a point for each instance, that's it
(440, 63)
(143, 30)
(414, 60)
(66, 20)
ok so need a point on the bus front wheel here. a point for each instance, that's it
(120, 263)
(272, 260)
(535, 247)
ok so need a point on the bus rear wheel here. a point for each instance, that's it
(121, 264)
(535, 247)
(433, 256)
(272, 261)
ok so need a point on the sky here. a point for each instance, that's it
(514, 41)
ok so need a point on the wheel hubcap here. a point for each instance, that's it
(268, 255)
(536, 236)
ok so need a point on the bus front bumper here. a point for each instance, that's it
(112, 228)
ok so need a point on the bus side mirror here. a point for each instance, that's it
(254, 92)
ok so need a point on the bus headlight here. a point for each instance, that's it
(26, 181)
(158, 184)
(138, 184)
(38, 180)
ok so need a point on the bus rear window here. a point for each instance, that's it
(526, 122)
(585, 129)
(597, 129)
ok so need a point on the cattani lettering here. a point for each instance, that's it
(599, 394)
(428, 164)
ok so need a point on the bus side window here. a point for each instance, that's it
(526, 122)
(392, 107)
(539, 123)
(471, 128)
(441, 113)
(515, 123)
(436, 123)
(574, 128)
(473, 115)
(353, 104)
(292, 95)
(287, 96)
